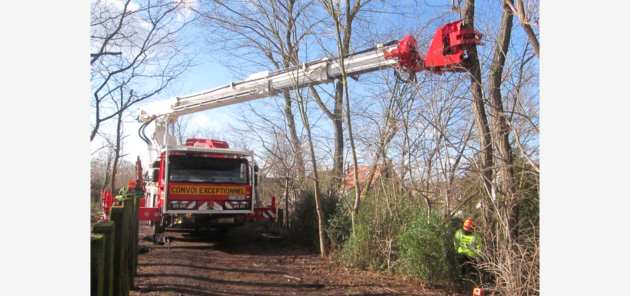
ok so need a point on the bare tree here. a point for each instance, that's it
(273, 32)
(343, 33)
(506, 252)
(118, 140)
(136, 54)
(501, 128)
(183, 128)
(303, 109)
(521, 111)
(106, 170)
(269, 29)
(436, 129)
(279, 158)
(100, 173)
(136, 51)
(525, 14)
(447, 115)
(481, 117)
(343, 15)
(387, 127)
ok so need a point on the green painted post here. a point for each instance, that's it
(138, 194)
(97, 246)
(121, 243)
(107, 229)
(128, 204)
(125, 258)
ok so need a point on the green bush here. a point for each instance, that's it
(426, 250)
(304, 227)
(359, 250)
(339, 226)
(378, 223)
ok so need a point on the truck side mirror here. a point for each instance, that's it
(256, 179)
(255, 168)
(155, 175)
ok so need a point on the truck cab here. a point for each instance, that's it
(201, 184)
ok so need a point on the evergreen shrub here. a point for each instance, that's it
(426, 250)
(378, 223)
(304, 227)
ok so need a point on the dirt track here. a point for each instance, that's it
(244, 262)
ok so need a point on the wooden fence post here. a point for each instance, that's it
(121, 250)
(132, 209)
(115, 249)
(97, 246)
(106, 228)
(138, 194)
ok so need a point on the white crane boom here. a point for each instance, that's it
(267, 84)
(446, 53)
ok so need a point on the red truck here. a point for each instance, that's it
(203, 184)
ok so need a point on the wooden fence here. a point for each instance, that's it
(114, 249)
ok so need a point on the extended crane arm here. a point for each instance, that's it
(267, 84)
(446, 53)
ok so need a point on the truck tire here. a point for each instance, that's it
(158, 228)
(159, 237)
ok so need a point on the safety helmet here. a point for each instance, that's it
(469, 225)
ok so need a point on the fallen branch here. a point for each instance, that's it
(288, 276)
(392, 290)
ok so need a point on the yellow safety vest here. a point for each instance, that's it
(468, 244)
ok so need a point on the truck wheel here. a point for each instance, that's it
(159, 237)
(158, 228)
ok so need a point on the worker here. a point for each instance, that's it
(468, 246)
(121, 194)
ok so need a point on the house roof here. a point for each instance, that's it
(347, 183)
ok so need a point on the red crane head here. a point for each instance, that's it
(447, 52)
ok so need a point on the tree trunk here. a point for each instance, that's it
(295, 141)
(318, 203)
(481, 119)
(529, 31)
(502, 128)
(107, 176)
(116, 152)
(323, 246)
(337, 121)
(286, 201)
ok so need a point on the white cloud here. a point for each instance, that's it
(201, 121)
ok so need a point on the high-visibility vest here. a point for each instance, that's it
(121, 194)
(468, 244)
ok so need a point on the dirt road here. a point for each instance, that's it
(246, 262)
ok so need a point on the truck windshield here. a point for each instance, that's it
(199, 169)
